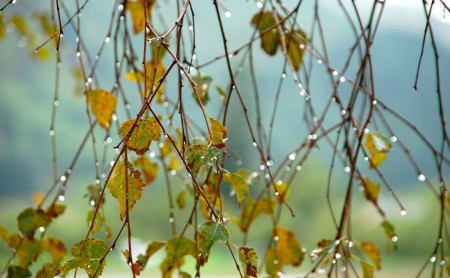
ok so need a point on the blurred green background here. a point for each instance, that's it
(27, 88)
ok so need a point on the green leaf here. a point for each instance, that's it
(296, 42)
(181, 199)
(176, 249)
(199, 155)
(146, 131)
(103, 105)
(251, 210)
(282, 193)
(239, 184)
(117, 185)
(389, 230)
(218, 133)
(249, 258)
(273, 265)
(30, 220)
(49, 270)
(373, 252)
(99, 221)
(2, 27)
(271, 39)
(152, 248)
(203, 84)
(93, 249)
(371, 190)
(289, 248)
(209, 233)
(55, 247)
(367, 269)
(15, 271)
(378, 145)
(150, 169)
(91, 266)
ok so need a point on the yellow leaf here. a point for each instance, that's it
(2, 27)
(282, 193)
(239, 184)
(378, 145)
(146, 131)
(136, 10)
(149, 168)
(218, 133)
(367, 269)
(55, 247)
(289, 248)
(371, 190)
(103, 105)
(372, 251)
(296, 43)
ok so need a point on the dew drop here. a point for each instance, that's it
(269, 163)
(78, 54)
(97, 57)
(421, 177)
(374, 102)
(394, 238)
(259, 4)
(191, 28)
(56, 103)
(346, 169)
(366, 158)
(97, 181)
(262, 167)
(152, 154)
(173, 172)
(89, 80)
(442, 262)
(366, 130)
(298, 167)
(117, 64)
(394, 139)
(343, 112)
(292, 156)
(227, 14)
(58, 65)
(254, 144)
(319, 61)
(127, 106)
(342, 79)
(41, 229)
(302, 46)
(287, 168)
(238, 162)
(337, 256)
(52, 132)
(114, 117)
(334, 73)
(266, 176)
(165, 104)
(283, 75)
(403, 212)
(120, 7)
(61, 35)
(61, 198)
(276, 238)
(35, 51)
(321, 270)
(92, 203)
(343, 268)
(275, 261)
(111, 163)
(107, 39)
(63, 178)
(439, 240)
(433, 259)
(77, 40)
(171, 220)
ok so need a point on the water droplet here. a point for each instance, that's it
(127, 106)
(283, 75)
(269, 163)
(35, 51)
(262, 167)
(120, 7)
(114, 117)
(342, 79)
(117, 64)
(77, 40)
(173, 172)
(41, 229)
(259, 4)
(107, 39)
(421, 177)
(302, 46)
(191, 28)
(92, 203)
(239, 69)
(275, 261)
(287, 168)
(97, 181)
(334, 73)
(58, 65)
(254, 144)
(165, 104)
(298, 167)
(121, 18)
(266, 176)
(442, 262)
(111, 163)
(321, 270)
(89, 80)
(227, 14)
(79, 14)
(439, 240)
(276, 238)
(343, 112)
(292, 156)
(97, 57)
(403, 212)
(394, 238)
(366, 130)
(171, 219)
(78, 54)
(337, 256)
(366, 158)
(63, 178)
(433, 258)
(61, 35)
(61, 198)
(69, 171)
(52, 132)
(374, 102)
(56, 103)
(346, 169)
(343, 268)
(238, 162)
(319, 61)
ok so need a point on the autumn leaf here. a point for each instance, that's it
(239, 184)
(373, 252)
(150, 169)
(117, 185)
(99, 221)
(218, 133)
(389, 230)
(378, 145)
(289, 248)
(49, 270)
(367, 269)
(296, 42)
(209, 233)
(28, 249)
(55, 247)
(55, 210)
(199, 155)
(181, 199)
(2, 27)
(251, 210)
(155, 70)
(152, 248)
(203, 84)
(136, 10)
(30, 220)
(271, 39)
(103, 105)
(273, 265)
(249, 258)
(93, 248)
(146, 131)
(282, 193)
(4, 234)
